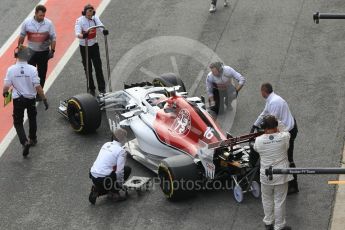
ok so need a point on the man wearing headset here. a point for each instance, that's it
(24, 80)
(278, 107)
(219, 87)
(272, 147)
(41, 40)
(109, 172)
(83, 23)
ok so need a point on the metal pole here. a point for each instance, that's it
(87, 54)
(107, 59)
(317, 16)
(270, 171)
(87, 65)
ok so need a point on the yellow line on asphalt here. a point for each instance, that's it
(336, 182)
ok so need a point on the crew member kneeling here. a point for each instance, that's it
(109, 172)
(272, 147)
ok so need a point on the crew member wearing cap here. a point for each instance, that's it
(272, 147)
(109, 172)
(278, 107)
(24, 80)
(220, 89)
(82, 25)
(41, 40)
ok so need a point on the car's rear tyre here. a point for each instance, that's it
(84, 113)
(178, 177)
(169, 80)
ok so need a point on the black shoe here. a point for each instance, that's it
(116, 196)
(93, 195)
(229, 107)
(292, 190)
(26, 148)
(32, 142)
(269, 227)
(38, 98)
(286, 228)
(92, 92)
(102, 91)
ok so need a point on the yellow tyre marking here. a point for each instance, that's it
(162, 166)
(159, 82)
(80, 114)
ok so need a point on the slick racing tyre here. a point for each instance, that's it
(178, 177)
(168, 80)
(83, 113)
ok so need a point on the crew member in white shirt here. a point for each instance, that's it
(109, 171)
(219, 87)
(277, 106)
(82, 25)
(272, 147)
(41, 40)
(23, 78)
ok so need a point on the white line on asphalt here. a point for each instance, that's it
(52, 77)
(196, 83)
(174, 64)
(148, 73)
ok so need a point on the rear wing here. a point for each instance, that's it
(232, 141)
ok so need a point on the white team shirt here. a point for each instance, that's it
(272, 149)
(40, 34)
(111, 156)
(24, 80)
(82, 24)
(278, 107)
(224, 81)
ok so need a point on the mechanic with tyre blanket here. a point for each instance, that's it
(41, 40)
(219, 87)
(109, 171)
(277, 106)
(272, 147)
(83, 23)
(24, 80)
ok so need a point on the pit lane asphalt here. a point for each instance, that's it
(273, 41)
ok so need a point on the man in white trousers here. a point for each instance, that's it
(272, 147)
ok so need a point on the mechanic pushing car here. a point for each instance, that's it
(109, 171)
(272, 147)
(220, 89)
(278, 107)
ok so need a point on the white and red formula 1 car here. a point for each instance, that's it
(173, 135)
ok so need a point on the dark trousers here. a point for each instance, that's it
(95, 58)
(293, 134)
(221, 98)
(105, 184)
(40, 60)
(214, 2)
(19, 106)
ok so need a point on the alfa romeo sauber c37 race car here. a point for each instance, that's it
(173, 135)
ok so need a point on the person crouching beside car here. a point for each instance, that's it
(109, 172)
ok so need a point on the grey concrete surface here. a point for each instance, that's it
(269, 40)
